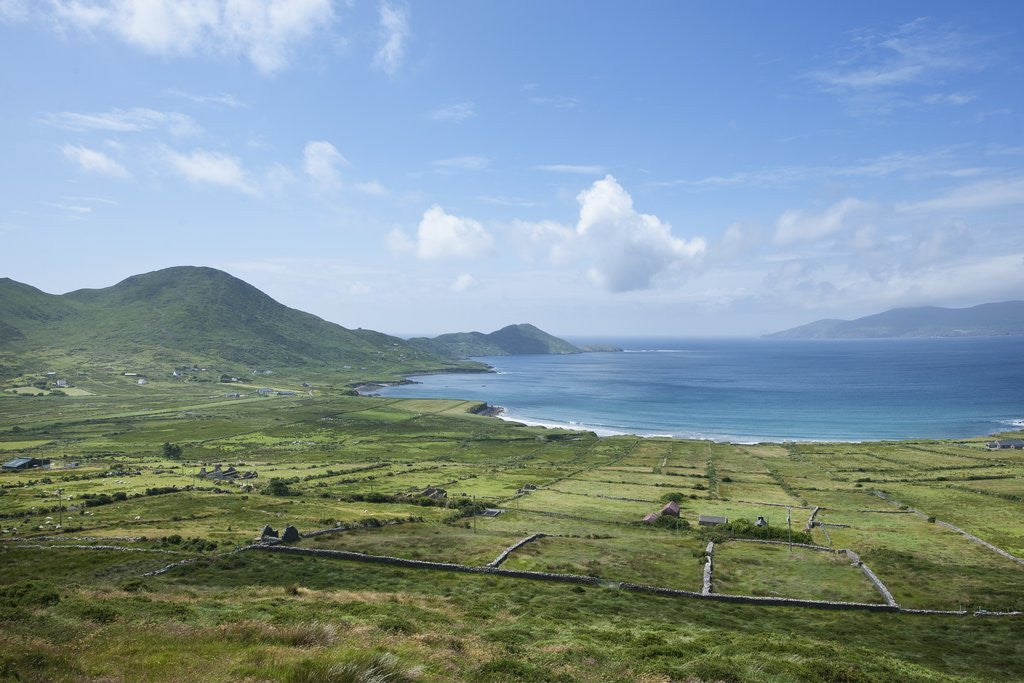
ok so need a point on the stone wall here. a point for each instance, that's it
(708, 568)
(496, 562)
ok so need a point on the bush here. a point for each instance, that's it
(673, 496)
(277, 487)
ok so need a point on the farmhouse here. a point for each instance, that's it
(1002, 444)
(671, 509)
(711, 520)
(264, 392)
(19, 464)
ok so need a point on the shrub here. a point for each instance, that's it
(277, 487)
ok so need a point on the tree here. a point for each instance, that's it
(171, 450)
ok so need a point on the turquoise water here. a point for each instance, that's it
(759, 390)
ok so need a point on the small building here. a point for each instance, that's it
(671, 509)
(305, 384)
(491, 512)
(19, 464)
(131, 374)
(265, 391)
(711, 520)
(62, 384)
(760, 521)
(650, 519)
(1003, 444)
(142, 382)
(286, 393)
(433, 492)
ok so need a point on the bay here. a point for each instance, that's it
(753, 390)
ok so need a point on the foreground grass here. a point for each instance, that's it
(258, 617)
(360, 462)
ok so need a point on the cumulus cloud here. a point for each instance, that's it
(441, 235)
(320, 161)
(205, 167)
(394, 32)
(263, 31)
(463, 283)
(800, 226)
(625, 250)
(454, 113)
(94, 162)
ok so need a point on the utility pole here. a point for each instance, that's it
(60, 507)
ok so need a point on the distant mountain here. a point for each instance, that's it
(512, 340)
(189, 314)
(985, 320)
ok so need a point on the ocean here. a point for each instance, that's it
(754, 390)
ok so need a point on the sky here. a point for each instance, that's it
(595, 168)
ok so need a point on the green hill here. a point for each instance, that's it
(186, 315)
(985, 320)
(508, 341)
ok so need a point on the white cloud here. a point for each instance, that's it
(399, 242)
(222, 100)
(799, 226)
(442, 235)
(877, 71)
(626, 250)
(359, 289)
(14, 10)
(373, 188)
(394, 31)
(580, 169)
(464, 163)
(558, 102)
(456, 112)
(463, 283)
(214, 168)
(94, 162)
(320, 161)
(263, 31)
(133, 120)
(982, 195)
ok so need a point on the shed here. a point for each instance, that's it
(712, 520)
(18, 464)
(649, 519)
(671, 509)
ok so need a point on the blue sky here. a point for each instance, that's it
(595, 168)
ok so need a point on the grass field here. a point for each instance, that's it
(361, 463)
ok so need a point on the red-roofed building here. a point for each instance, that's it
(649, 519)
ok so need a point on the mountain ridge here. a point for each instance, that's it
(190, 314)
(519, 339)
(1005, 318)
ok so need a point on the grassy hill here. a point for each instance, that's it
(186, 315)
(511, 340)
(985, 320)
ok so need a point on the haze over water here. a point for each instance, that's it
(759, 390)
